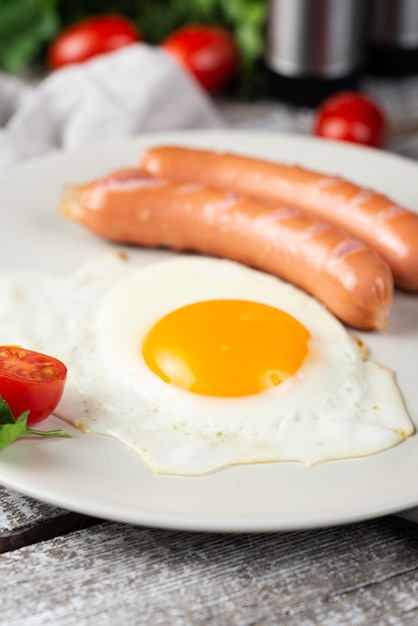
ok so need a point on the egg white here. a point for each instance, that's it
(338, 405)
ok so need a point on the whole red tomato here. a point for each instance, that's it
(30, 380)
(351, 116)
(89, 38)
(209, 53)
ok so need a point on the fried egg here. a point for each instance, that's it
(197, 363)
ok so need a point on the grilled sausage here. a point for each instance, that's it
(131, 206)
(367, 215)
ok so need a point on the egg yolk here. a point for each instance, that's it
(226, 348)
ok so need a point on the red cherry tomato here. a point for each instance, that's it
(351, 116)
(89, 38)
(30, 380)
(209, 53)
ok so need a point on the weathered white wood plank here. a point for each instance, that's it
(24, 521)
(17, 510)
(119, 574)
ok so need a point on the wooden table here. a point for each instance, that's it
(64, 568)
(60, 567)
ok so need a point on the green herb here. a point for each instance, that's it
(26, 26)
(11, 429)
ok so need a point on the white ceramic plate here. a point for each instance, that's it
(95, 475)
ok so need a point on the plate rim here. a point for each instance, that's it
(180, 522)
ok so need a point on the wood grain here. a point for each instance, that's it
(120, 574)
(17, 510)
(24, 521)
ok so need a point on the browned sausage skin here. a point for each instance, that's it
(130, 206)
(367, 215)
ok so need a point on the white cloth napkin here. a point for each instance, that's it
(135, 89)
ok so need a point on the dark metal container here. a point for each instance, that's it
(392, 37)
(313, 48)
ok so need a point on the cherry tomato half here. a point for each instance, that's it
(89, 38)
(209, 53)
(351, 116)
(30, 380)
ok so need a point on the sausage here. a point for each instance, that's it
(131, 206)
(367, 215)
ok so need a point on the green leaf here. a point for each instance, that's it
(11, 432)
(11, 429)
(6, 416)
(25, 26)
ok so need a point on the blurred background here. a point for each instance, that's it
(265, 63)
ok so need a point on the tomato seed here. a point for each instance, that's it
(48, 372)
